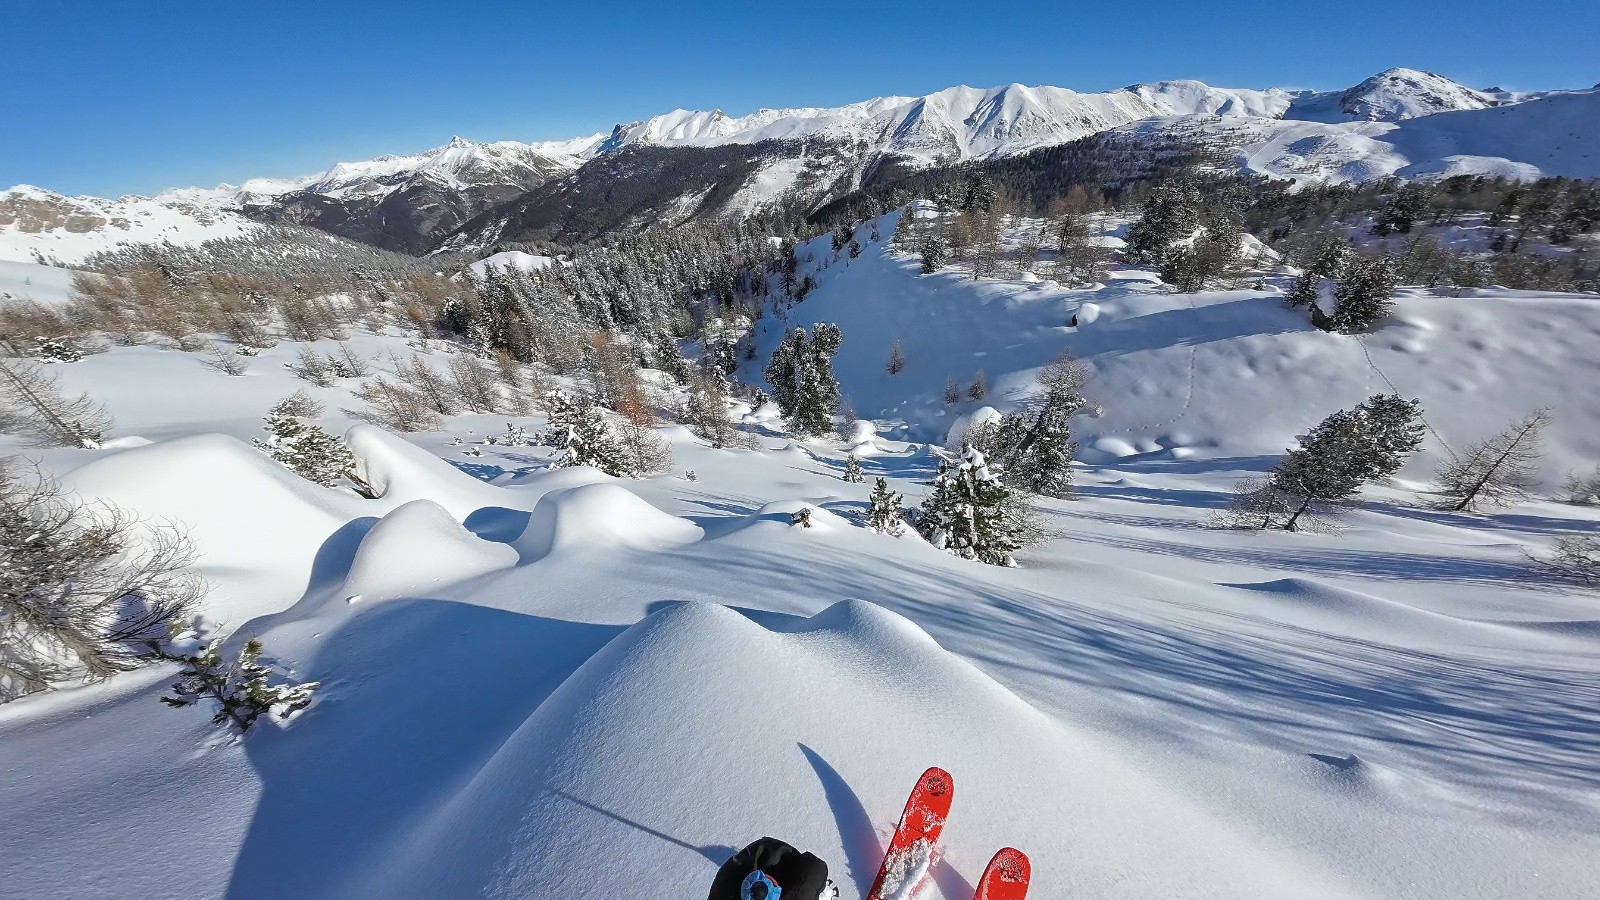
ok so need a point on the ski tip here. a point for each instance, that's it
(1006, 877)
(937, 782)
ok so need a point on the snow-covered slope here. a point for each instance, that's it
(552, 683)
(1230, 374)
(36, 223)
(1390, 96)
(1557, 134)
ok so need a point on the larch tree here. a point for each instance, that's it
(1496, 472)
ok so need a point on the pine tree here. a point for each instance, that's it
(1329, 259)
(969, 513)
(1334, 460)
(302, 446)
(1170, 215)
(979, 388)
(897, 359)
(32, 398)
(1212, 260)
(1034, 446)
(852, 469)
(1394, 430)
(1403, 209)
(81, 587)
(1364, 296)
(802, 379)
(883, 510)
(1496, 472)
(579, 432)
(706, 413)
(934, 254)
(243, 691)
(952, 390)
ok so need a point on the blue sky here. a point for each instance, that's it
(116, 97)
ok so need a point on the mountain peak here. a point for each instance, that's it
(1393, 95)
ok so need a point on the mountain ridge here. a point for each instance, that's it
(414, 202)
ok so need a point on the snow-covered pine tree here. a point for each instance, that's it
(1213, 260)
(802, 379)
(1034, 446)
(1327, 259)
(1394, 431)
(952, 390)
(1170, 215)
(968, 512)
(706, 412)
(1496, 472)
(579, 432)
(934, 254)
(244, 691)
(852, 469)
(883, 510)
(302, 446)
(1364, 296)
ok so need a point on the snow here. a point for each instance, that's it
(1558, 134)
(958, 122)
(1227, 373)
(509, 260)
(529, 675)
(1389, 96)
(31, 281)
(38, 223)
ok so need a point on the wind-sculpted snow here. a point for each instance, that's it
(416, 548)
(552, 683)
(812, 728)
(597, 518)
(257, 526)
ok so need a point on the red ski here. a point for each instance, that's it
(1006, 877)
(911, 849)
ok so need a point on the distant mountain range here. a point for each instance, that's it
(688, 164)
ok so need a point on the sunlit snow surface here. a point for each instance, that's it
(549, 684)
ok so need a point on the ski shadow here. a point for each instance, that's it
(859, 837)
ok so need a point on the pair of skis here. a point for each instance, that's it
(911, 850)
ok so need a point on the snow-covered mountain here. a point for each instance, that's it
(40, 224)
(406, 202)
(1390, 96)
(688, 164)
(956, 123)
(1554, 134)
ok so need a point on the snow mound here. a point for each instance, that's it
(983, 415)
(779, 516)
(634, 749)
(598, 516)
(861, 439)
(417, 546)
(257, 526)
(400, 471)
(1307, 602)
